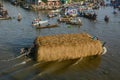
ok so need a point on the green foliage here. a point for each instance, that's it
(44, 1)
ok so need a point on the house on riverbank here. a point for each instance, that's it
(44, 4)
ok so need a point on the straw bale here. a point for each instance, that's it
(66, 46)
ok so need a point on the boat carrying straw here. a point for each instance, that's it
(66, 46)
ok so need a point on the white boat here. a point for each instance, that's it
(56, 11)
(39, 22)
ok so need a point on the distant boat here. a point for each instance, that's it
(51, 15)
(25, 6)
(47, 26)
(38, 22)
(56, 11)
(5, 18)
(19, 17)
(75, 22)
(106, 19)
(67, 19)
(115, 12)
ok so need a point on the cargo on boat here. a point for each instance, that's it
(66, 46)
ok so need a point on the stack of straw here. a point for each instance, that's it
(66, 46)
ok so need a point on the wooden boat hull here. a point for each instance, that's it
(47, 26)
(74, 23)
(64, 19)
(106, 19)
(5, 18)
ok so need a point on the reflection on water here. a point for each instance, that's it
(15, 35)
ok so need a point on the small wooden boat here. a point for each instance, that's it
(47, 26)
(19, 17)
(90, 14)
(64, 19)
(5, 18)
(115, 12)
(25, 6)
(106, 19)
(15, 3)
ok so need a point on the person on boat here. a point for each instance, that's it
(94, 16)
(5, 13)
(19, 17)
(115, 11)
(106, 18)
(48, 23)
(103, 44)
(37, 20)
(79, 20)
(22, 50)
(25, 51)
(119, 8)
(59, 15)
(95, 38)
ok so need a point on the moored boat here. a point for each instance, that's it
(90, 14)
(64, 19)
(106, 18)
(5, 18)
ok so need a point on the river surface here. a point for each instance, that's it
(15, 35)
